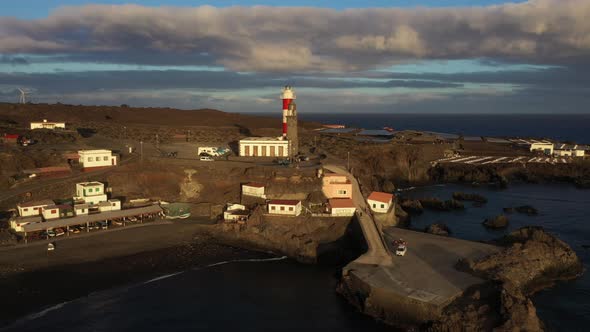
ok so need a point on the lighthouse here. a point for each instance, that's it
(287, 96)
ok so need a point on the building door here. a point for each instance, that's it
(255, 150)
(281, 151)
(247, 150)
(263, 150)
(272, 151)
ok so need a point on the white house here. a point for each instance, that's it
(284, 207)
(264, 147)
(48, 125)
(81, 209)
(253, 189)
(341, 207)
(18, 223)
(90, 192)
(33, 208)
(380, 202)
(50, 212)
(565, 150)
(546, 148)
(235, 212)
(110, 205)
(97, 158)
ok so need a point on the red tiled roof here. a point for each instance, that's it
(380, 197)
(284, 202)
(341, 203)
(254, 184)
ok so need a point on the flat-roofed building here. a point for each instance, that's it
(380, 202)
(264, 147)
(90, 192)
(33, 208)
(97, 158)
(81, 209)
(48, 125)
(341, 207)
(17, 223)
(336, 186)
(546, 148)
(50, 212)
(568, 150)
(284, 207)
(253, 189)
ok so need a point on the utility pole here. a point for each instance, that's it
(348, 160)
(141, 150)
(125, 132)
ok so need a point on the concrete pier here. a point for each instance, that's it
(413, 288)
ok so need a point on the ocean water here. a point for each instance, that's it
(251, 295)
(563, 211)
(566, 127)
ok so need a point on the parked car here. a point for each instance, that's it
(50, 233)
(59, 232)
(401, 250)
(102, 225)
(117, 222)
(74, 230)
(205, 158)
(50, 246)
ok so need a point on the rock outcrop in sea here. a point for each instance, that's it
(532, 260)
(438, 229)
(497, 222)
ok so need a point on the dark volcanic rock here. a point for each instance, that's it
(469, 197)
(531, 260)
(527, 209)
(532, 257)
(412, 206)
(500, 221)
(438, 229)
(439, 205)
(508, 210)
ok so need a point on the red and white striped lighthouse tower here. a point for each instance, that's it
(288, 96)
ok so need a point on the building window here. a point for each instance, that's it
(383, 206)
(282, 208)
(90, 159)
(341, 192)
(290, 208)
(273, 208)
(53, 211)
(374, 205)
(26, 210)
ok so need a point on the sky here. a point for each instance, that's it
(430, 56)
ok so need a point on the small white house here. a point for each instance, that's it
(81, 209)
(97, 158)
(380, 202)
(110, 205)
(18, 222)
(50, 212)
(235, 212)
(341, 207)
(546, 148)
(565, 150)
(284, 207)
(48, 125)
(33, 208)
(90, 192)
(253, 189)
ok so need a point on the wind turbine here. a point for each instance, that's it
(23, 96)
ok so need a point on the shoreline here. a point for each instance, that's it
(35, 288)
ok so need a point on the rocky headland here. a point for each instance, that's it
(531, 260)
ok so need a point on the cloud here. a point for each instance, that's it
(278, 39)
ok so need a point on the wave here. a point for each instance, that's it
(163, 277)
(34, 316)
(243, 261)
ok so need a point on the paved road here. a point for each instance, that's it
(378, 252)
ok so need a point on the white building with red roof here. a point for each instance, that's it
(284, 207)
(380, 202)
(341, 207)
